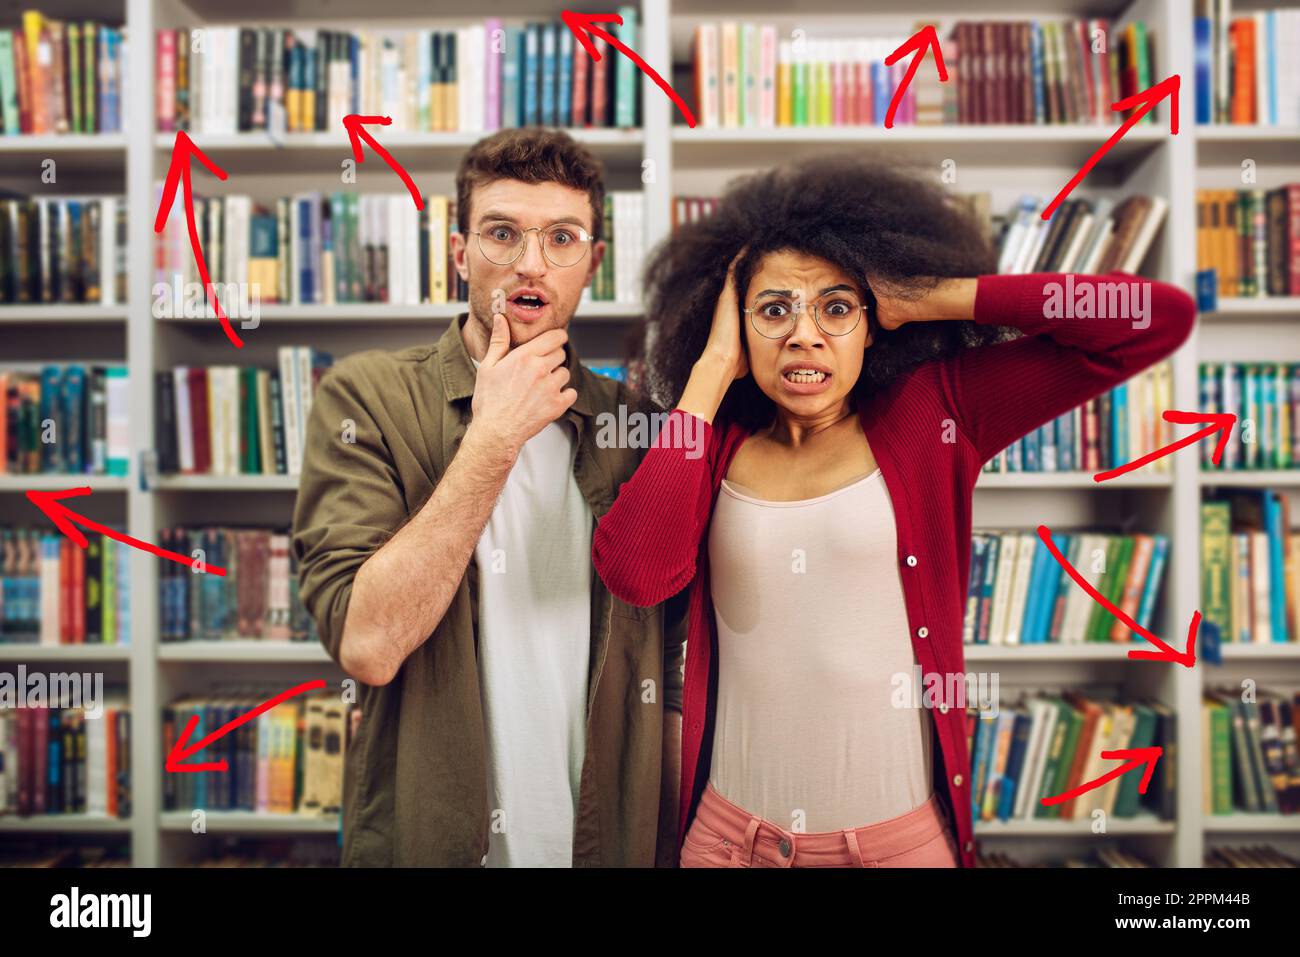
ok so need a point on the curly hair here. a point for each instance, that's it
(865, 215)
(531, 154)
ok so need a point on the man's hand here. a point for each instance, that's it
(519, 392)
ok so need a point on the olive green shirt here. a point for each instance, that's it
(383, 428)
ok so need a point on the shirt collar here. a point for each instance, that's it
(458, 373)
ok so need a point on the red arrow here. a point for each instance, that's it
(64, 519)
(1186, 658)
(925, 37)
(1134, 758)
(179, 170)
(352, 123)
(1144, 101)
(580, 24)
(180, 751)
(1219, 422)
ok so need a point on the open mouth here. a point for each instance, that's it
(529, 302)
(806, 376)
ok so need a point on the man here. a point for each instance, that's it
(512, 711)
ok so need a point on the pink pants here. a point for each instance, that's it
(724, 835)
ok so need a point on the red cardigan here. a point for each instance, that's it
(654, 540)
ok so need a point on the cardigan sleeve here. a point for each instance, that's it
(1000, 392)
(645, 546)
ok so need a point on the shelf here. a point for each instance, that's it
(65, 822)
(56, 481)
(1140, 478)
(1245, 823)
(1023, 145)
(244, 649)
(323, 152)
(74, 154)
(251, 821)
(62, 312)
(1262, 307)
(1089, 651)
(227, 483)
(1275, 651)
(381, 312)
(1253, 479)
(17, 651)
(1143, 824)
(1228, 133)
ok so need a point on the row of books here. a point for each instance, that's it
(66, 419)
(1253, 855)
(61, 76)
(744, 76)
(1106, 857)
(287, 760)
(1251, 239)
(63, 249)
(257, 598)
(54, 592)
(1026, 72)
(56, 760)
(1250, 568)
(475, 78)
(1018, 594)
(1106, 431)
(1246, 69)
(1249, 760)
(237, 420)
(325, 249)
(39, 850)
(1053, 743)
(1091, 236)
(1265, 397)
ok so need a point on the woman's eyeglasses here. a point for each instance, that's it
(562, 244)
(836, 314)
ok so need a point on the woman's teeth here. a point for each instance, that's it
(805, 375)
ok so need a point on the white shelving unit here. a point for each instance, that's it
(1006, 160)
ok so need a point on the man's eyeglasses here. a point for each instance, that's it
(562, 244)
(836, 314)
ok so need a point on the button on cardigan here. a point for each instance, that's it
(931, 430)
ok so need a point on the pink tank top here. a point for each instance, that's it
(812, 646)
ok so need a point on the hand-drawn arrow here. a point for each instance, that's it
(352, 123)
(925, 37)
(1144, 101)
(583, 23)
(1185, 658)
(1133, 758)
(1221, 422)
(180, 751)
(179, 171)
(67, 521)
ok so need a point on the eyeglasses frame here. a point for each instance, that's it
(588, 239)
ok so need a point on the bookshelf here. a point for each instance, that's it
(1005, 160)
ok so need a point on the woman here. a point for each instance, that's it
(835, 329)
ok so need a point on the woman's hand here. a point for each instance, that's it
(723, 360)
(724, 351)
(949, 299)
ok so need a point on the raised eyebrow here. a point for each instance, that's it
(493, 214)
(787, 293)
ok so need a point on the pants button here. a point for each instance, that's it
(784, 847)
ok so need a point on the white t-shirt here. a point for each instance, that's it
(534, 647)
